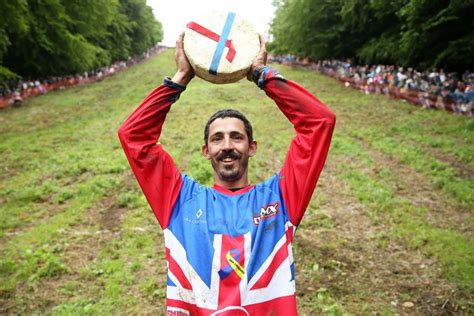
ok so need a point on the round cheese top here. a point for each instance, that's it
(221, 46)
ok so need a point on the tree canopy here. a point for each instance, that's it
(417, 33)
(40, 38)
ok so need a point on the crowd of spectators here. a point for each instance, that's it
(14, 93)
(432, 89)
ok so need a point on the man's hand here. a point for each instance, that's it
(185, 72)
(260, 59)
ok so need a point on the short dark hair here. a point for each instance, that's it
(229, 113)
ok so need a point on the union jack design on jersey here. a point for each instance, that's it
(219, 260)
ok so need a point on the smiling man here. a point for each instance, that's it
(228, 144)
(229, 247)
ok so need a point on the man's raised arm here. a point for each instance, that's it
(314, 124)
(153, 167)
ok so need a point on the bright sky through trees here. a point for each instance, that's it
(174, 15)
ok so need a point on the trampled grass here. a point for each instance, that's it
(391, 221)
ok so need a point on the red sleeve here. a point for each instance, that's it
(153, 167)
(314, 124)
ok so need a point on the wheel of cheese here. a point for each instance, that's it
(221, 46)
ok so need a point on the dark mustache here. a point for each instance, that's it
(228, 154)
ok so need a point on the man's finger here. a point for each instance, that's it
(262, 54)
(263, 44)
(179, 41)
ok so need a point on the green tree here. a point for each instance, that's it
(118, 42)
(12, 21)
(307, 28)
(91, 19)
(419, 33)
(40, 38)
(438, 34)
(371, 30)
(145, 31)
(50, 47)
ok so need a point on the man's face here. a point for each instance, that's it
(228, 149)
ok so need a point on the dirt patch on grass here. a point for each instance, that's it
(45, 211)
(98, 227)
(463, 170)
(443, 210)
(41, 211)
(95, 231)
(358, 261)
(80, 245)
(460, 167)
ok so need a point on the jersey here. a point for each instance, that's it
(230, 252)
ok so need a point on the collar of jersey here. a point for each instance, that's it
(226, 191)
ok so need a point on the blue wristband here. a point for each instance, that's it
(263, 73)
(171, 84)
(176, 86)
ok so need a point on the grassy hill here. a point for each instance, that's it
(389, 229)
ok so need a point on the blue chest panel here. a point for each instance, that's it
(201, 213)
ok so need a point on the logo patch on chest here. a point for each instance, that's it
(266, 212)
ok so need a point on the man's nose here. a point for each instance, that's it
(228, 143)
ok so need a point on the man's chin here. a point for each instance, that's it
(229, 175)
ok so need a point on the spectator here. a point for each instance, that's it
(430, 89)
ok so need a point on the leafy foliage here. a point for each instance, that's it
(40, 38)
(418, 33)
(306, 27)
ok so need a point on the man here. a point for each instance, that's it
(228, 248)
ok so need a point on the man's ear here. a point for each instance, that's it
(205, 152)
(252, 148)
